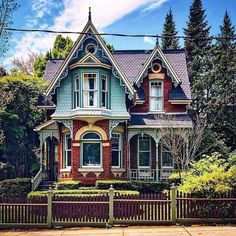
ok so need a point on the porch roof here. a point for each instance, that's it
(154, 120)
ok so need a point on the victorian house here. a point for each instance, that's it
(102, 111)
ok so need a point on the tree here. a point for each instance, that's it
(198, 51)
(61, 47)
(211, 175)
(18, 120)
(40, 66)
(7, 7)
(169, 30)
(2, 72)
(25, 65)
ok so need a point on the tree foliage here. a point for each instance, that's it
(18, 120)
(169, 30)
(7, 7)
(211, 175)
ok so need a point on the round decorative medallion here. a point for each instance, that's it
(156, 67)
(91, 48)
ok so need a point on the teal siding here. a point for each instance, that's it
(116, 95)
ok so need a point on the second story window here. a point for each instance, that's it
(90, 93)
(104, 90)
(156, 95)
(76, 90)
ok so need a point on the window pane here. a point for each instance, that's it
(103, 99)
(115, 143)
(144, 159)
(104, 87)
(91, 83)
(69, 158)
(91, 136)
(167, 159)
(91, 154)
(91, 98)
(115, 158)
(144, 145)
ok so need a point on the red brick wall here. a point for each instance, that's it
(168, 107)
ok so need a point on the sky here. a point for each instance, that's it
(108, 16)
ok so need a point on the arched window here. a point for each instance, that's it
(91, 151)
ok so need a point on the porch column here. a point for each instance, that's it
(128, 159)
(157, 159)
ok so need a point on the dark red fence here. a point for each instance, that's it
(219, 206)
(142, 208)
(23, 211)
(94, 209)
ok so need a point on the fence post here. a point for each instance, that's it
(49, 215)
(173, 203)
(111, 205)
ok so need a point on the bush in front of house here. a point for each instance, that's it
(140, 186)
(18, 187)
(117, 184)
(67, 185)
(149, 187)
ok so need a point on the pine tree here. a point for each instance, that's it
(169, 30)
(198, 50)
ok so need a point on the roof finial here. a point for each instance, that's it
(89, 16)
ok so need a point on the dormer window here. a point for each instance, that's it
(156, 95)
(90, 91)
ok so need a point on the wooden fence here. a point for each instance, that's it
(165, 208)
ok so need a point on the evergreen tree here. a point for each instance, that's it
(198, 50)
(169, 30)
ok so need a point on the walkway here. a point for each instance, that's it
(131, 231)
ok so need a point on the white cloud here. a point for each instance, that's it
(73, 17)
(154, 5)
(149, 40)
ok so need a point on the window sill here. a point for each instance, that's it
(117, 169)
(91, 169)
(90, 108)
(156, 112)
(65, 170)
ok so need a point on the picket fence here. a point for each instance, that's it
(112, 208)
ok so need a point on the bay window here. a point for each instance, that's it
(116, 150)
(90, 91)
(156, 95)
(91, 150)
(144, 151)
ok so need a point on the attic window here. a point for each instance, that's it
(156, 67)
(91, 48)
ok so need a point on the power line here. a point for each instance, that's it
(115, 34)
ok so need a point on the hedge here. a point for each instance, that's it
(74, 193)
(67, 185)
(19, 187)
(140, 186)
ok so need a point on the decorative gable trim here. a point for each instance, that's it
(63, 70)
(157, 54)
(89, 58)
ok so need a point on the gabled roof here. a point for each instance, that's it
(62, 68)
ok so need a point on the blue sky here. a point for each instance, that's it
(112, 16)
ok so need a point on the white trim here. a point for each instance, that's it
(104, 77)
(180, 101)
(65, 170)
(89, 26)
(47, 123)
(157, 50)
(66, 150)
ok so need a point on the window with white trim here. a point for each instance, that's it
(156, 95)
(104, 90)
(167, 159)
(76, 90)
(144, 151)
(116, 150)
(91, 151)
(90, 91)
(67, 151)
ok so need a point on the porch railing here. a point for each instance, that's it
(39, 177)
(149, 174)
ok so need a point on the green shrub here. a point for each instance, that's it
(140, 186)
(75, 193)
(117, 184)
(149, 187)
(19, 187)
(68, 185)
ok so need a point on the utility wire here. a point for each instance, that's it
(115, 34)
